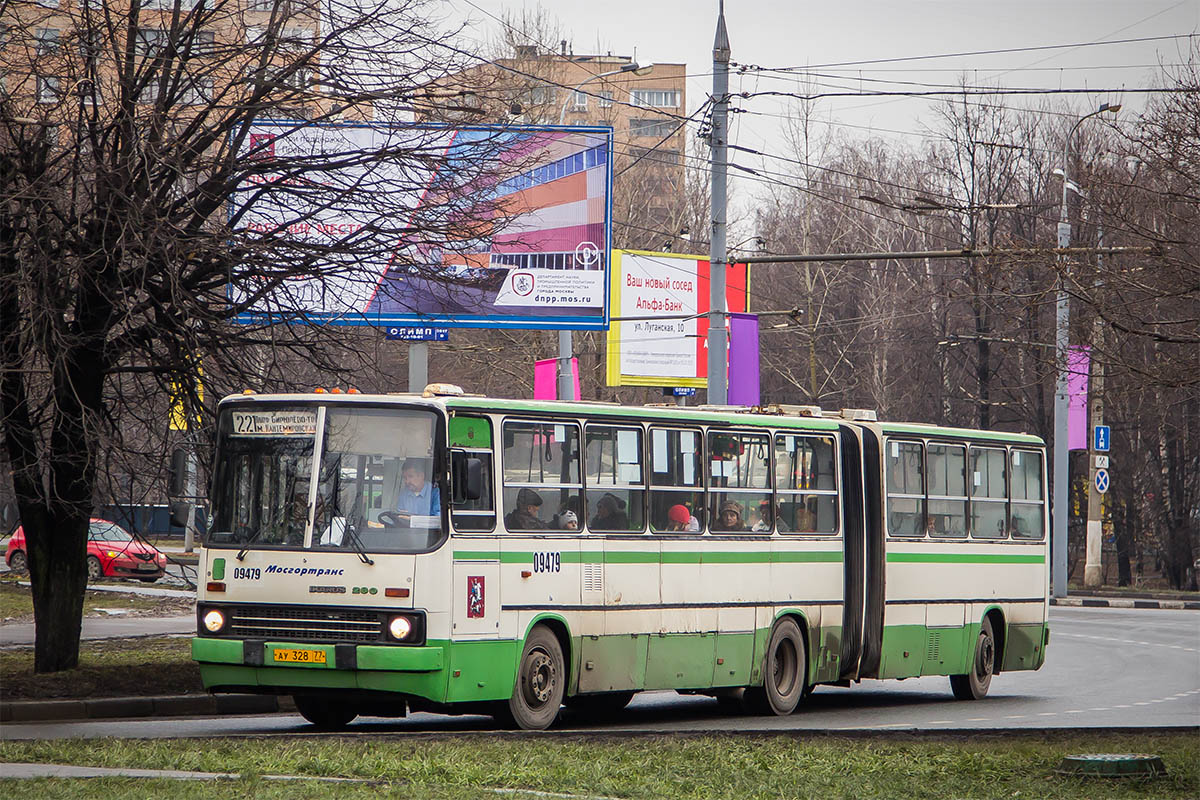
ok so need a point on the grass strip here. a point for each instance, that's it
(752, 766)
(107, 668)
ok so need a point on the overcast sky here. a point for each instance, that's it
(789, 33)
(776, 34)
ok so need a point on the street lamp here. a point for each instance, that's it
(1058, 544)
(566, 388)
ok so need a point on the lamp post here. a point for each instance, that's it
(566, 387)
(1062, 332)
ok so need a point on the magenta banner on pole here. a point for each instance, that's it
(743, 360)
(545, 378)
(1078, 364)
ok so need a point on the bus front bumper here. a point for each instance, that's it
(238, 665)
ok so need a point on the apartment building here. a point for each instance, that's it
(57, 56)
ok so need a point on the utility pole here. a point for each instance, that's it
(1093, 568)
(718, 342)
(418, 366)
(1062, 318)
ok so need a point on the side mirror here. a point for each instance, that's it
(467, 473)
(178, 473)
(179, 514)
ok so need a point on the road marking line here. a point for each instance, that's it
(1047, 713)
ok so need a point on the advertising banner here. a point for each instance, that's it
(658, 336)
(1079, 359)
(430, 226)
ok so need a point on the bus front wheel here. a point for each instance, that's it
(974, 685)
(325, 714)
(785, 667)
(541, 682)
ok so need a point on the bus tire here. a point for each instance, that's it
(784, 672)
(974, 685)
(541, 682)
(599, 704)
(326, 715)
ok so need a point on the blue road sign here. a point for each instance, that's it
(419, 334)
(1100, 438)
(685, 391)
(1101, 481)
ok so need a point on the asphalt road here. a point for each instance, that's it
(1106, 668)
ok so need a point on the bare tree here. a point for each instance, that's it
(132, 214)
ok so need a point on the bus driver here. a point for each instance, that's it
(417, 496)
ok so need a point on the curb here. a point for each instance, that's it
(122, 707)
(1104, 602)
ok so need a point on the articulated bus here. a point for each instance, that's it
(379, 554)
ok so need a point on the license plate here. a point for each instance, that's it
(300, 656)
(147, 567)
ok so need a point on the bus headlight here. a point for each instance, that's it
(400, 627)
(214, 621)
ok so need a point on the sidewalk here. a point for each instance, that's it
(21, 634)
(1102, 599)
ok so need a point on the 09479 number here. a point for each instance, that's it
(547, 562)
(246, 573)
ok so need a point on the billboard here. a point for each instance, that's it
(658, 337)
(425, 225)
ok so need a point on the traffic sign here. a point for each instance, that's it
(1101, 481)
(1100, 438)
(419, 334)
(1101, 462)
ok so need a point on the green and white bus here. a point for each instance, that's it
(376, 554)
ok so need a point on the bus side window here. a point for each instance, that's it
(989, 493)
(1027, 496)
(476, 514)
(676, 481)
(616, 481)
(542, 480)
(947, 481)
(905, 468)
(806, 484)
(739, 488)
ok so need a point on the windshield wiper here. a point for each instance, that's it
(351, 532)
(246, 545)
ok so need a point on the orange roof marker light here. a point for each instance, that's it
(442, 390)
(249, 391)
(335, 390)
(352, 390)
(319, 390)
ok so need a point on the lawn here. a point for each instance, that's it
(685, 766)
(107, 668)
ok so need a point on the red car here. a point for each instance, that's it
(111, 552)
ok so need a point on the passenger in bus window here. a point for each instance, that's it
(525, 516)
(570, 506)
(729, 518)
(610, 514)
(567, 521)
(680, 519)
(806, 516)
(764, 522)
(417, 495)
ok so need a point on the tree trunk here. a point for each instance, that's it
(58, 575)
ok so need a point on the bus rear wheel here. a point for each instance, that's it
(785, 668)
(541, 682)
(974, 685)
(325, 714)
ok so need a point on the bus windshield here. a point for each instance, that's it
(376, 486)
